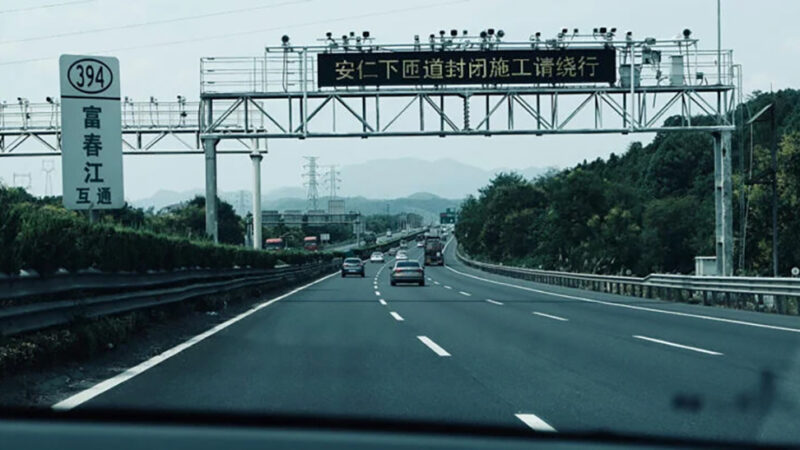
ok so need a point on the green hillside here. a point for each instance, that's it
(650, 209)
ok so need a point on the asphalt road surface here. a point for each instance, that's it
(472, 347)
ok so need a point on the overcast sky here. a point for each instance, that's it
(162, 60)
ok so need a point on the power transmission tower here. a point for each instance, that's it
(332, 179)
(22, 180)
(311, 181)
(48, 166)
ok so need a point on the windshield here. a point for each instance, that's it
(409, 264)
(203, 204)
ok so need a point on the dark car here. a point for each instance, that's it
(407, 272)
(352, 266)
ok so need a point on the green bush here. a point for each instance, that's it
(45, 237)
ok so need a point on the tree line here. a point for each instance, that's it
(650, 209)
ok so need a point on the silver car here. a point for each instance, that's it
(407, 272)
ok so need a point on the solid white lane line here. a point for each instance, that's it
(396, 316)
(447, 287)
(465, 293)
(533, 421)
(378, 293)
(673, 344)
(551, 316)
(435, 282)
(433, 346)
(494, 302)
(639, 308)
(382, 302)
(103, 386)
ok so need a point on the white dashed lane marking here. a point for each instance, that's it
(550, 316)
(433, 346)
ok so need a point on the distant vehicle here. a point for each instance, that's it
(403, 243)
(352, 266)
(420, 243)
(392, 251)
(376, 257)
(274, 244)
(434, 251)
(401, 255)
(388, 233)
(310, 243)
(407, 272)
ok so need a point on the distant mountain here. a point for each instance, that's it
(164, 198)
(400, 177)
(423, 196)
(412, 184)
(284, 192)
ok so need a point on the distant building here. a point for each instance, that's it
(335, 206)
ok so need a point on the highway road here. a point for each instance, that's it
(472, 347)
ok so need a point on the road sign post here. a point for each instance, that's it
(91, 132)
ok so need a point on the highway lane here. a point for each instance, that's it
(582, 366)
(331, 349)
(355, 347)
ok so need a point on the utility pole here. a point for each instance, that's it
(774, 173)
(311, 181)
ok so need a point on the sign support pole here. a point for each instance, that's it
(210, 151)
(723, 206)
(256, 158)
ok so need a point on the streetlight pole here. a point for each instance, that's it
(773, 178)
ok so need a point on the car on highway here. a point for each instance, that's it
(352, 266)
(407, 272)
(392, 251)
(401, 255)
(420, 244)
(376, 257)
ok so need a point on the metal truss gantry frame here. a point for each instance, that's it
(275, 96)
(280, 90)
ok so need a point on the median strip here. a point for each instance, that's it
(673, 344)
(433, 346)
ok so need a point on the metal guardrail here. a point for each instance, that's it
(779, 295)
(60, 284)
(40, 315)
